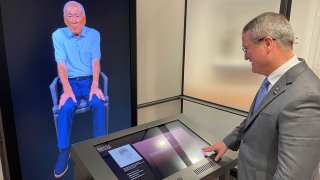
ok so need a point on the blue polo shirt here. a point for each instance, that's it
(77, 53)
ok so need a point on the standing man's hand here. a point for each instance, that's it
(95, 90)
(220, 148)
(65, 96)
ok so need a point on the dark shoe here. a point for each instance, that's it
(62, 163)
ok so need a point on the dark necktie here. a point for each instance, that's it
(262, 92)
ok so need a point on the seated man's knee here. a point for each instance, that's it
(69, 105)
(96, 102)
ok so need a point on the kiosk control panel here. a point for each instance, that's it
(169, 148)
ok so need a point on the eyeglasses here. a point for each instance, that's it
(245, 49)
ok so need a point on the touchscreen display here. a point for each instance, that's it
(154, 153)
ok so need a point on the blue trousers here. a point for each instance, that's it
(81, 90)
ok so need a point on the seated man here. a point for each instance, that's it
(77, 53)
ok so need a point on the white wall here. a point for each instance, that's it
(302, 22)
(305, 20)
(160, 27)
(218, 123)
(214, 66)
(159, 48)
(215, 69)
(159, 111)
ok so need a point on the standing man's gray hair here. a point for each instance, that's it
(73, 2)
(272, 24)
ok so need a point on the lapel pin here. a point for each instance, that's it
(276, 90)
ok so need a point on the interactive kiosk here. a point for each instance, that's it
(169, 148)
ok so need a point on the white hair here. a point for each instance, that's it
(66, 6)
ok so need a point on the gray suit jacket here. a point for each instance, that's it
(281, 139)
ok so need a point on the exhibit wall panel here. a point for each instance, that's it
(215, 69)
(160, 29)
(219, 123)
(159, 111)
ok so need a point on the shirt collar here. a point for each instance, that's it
(278, 73)
(83, 33)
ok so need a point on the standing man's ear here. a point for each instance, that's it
(269, 40)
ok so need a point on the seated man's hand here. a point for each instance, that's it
(65, 96)
(220, 148)
(97, 92)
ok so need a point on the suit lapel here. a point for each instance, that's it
(274, 92)
(278, 88)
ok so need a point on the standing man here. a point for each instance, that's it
(279, 139)
(77, 53)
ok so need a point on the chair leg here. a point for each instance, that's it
(107, 118)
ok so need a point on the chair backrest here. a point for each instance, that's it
(54, 91)
(104, 82)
